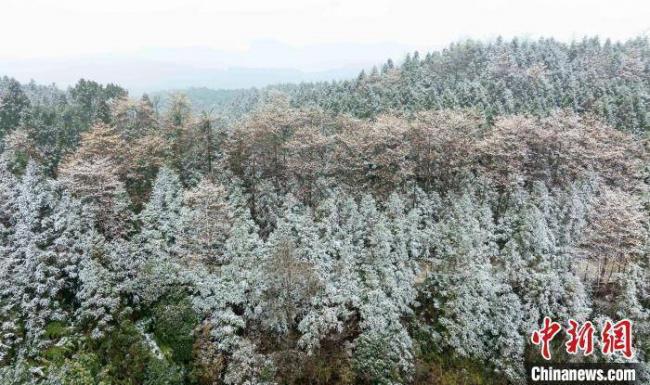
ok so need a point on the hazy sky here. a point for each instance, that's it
(38, 28)
(148, 45)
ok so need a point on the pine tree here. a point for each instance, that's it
(44, 262)
(333, 311)
(293, 257)
(8, 207)
(8, 201)
(207, 216)
(158, 247)
(542, 272)
(98, 292)
(477, 313)
(231, 298)
(14, 106)
(160, 218)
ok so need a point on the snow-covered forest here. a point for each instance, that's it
(411, 226)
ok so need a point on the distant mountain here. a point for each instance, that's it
(262, 64)
(150, 76)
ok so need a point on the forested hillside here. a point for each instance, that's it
(504, 77)
(412, 226)
(498, 78)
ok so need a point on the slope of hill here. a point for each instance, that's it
(412, 226)
(611, 80)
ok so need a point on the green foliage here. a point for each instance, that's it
(14, 105)
(125, 354)
(75, 373)
(436, 365)
(446, 369)
(174, 322)
(55, 354)
(376, 360)
(162, 372)
(55, 330)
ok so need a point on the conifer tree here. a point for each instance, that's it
(14, 106)
(206, 217)
(44, 262)
(477, 313)
(158, 247)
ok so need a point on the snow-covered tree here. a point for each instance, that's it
(95, 173)
(43, 263)
(541, 270)
(98, 292)
(206, 220)
(475, 312)
(294, 257)
(230, 298)
(8, 200)
(158, 243)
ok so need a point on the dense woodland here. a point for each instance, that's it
(411, 226)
